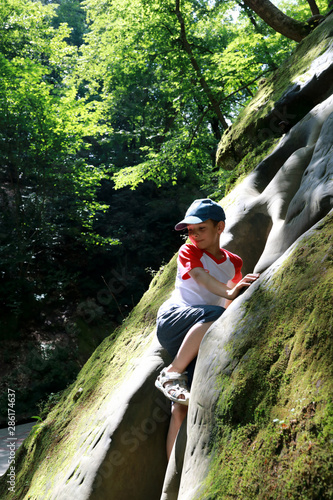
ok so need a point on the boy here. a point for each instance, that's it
(206, 274)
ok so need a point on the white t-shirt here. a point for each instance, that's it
(187, 291)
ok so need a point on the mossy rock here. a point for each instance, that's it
(273, 432)
(283, 98)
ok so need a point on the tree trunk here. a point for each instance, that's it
(204, 84)
(276, 19)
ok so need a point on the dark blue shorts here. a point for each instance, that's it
(174, 321)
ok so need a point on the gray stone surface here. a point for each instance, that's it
(286, 194)
(122, 452)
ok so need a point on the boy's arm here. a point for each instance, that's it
(230, 284)
(217, 287)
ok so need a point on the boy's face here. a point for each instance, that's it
(206, 235)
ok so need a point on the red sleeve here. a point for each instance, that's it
(237, 262)
(188, 258)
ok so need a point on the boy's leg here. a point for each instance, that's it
(186, 353)
(178, 414)
(189, 347)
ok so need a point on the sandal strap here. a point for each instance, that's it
(176, 391)
(173, 385)
(172, 376)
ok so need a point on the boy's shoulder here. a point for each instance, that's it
(232, 256)
(189, 252)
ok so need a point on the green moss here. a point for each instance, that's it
(250, 161)
(273, 437)
(52, 447)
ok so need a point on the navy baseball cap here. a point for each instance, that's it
(201, 210)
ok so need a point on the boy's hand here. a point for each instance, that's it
(243, 283)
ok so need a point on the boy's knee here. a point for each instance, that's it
(179, 411)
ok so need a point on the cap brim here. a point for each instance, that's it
(191, 219)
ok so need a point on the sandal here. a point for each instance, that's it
(176, 387)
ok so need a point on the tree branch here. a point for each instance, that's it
(276, 19)
(314, 7)
(187, 47)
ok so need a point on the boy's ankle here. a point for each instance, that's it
(172, 368)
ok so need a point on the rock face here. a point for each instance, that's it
(266, 360)
(241, 350)
(118, 442)
(286, 194)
